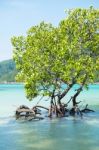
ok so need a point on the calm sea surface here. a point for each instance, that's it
(57, 134)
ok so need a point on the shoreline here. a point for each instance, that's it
(96, 83)
(11, 83)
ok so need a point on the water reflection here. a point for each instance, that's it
(56, 134)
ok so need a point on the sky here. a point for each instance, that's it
(17, 16)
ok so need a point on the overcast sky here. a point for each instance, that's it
(17, 16)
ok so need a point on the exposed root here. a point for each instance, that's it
(86, 109)
(59, 110)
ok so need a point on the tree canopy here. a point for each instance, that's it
(49, 57)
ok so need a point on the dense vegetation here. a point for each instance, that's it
(50, 57)
(7, 71)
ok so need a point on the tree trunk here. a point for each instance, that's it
(75, 107)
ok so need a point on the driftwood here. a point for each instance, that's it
(29, 114)
(25, 110)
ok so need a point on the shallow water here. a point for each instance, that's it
(56, 134)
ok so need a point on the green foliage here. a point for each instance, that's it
(48, 57)
(7, 71)
(80, 38)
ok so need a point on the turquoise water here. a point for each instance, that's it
(56, 134)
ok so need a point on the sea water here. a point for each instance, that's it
(49, 134)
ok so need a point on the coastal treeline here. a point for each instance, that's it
(49, 57)
(7, 71)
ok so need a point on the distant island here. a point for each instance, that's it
(7, 71)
